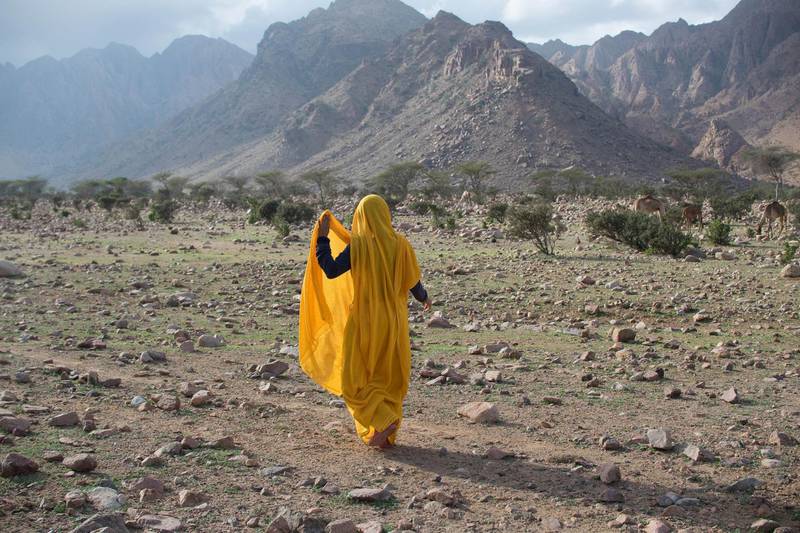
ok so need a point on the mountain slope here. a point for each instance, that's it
(744, 69)
(51, 111)
(446, 93)
(295, 63)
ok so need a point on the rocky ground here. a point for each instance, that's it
(149, 380)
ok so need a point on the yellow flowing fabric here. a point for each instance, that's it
(354, 329)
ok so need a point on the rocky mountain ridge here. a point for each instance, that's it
(52, 110)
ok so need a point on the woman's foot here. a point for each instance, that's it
(380, 439)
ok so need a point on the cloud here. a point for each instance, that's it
(31, 28)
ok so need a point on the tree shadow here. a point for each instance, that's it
(582, 485)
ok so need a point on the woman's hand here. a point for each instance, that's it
(324, 225)
(426, 305)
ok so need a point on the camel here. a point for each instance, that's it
(772, 211)
(649, 205)
(693, 213)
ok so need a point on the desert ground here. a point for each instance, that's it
(160, 353)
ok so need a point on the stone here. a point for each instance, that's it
(82, 462)
(201, 398)
(730, 396)
(672, 393)
(623, 335)
(551, 524)
(609, 443)
(747, 484)
(285, 522)
(10, 270)
(497, 454)
(272, 369)
(612, 495)
(697, 454)
(146, 483)
(159, 523)
(168, 402)
(64, 420)
(211, 341)
(172, 449)
(187, 389)
(660, 439)
(15, 464)
(373, 526)
(105, 499)
(791, 270)
(75, 499)
(609, 473)
(222, 443)
(480, 412)
(341, 526)
(52, 456)
(136, 401)
(657, 526)
(187, 346)
(15, 425)
(782, 439)
(438, 321)
(190, 498)
(152, 356)
(767, 526)
(107, 523)
(493, 376)
(370, 495)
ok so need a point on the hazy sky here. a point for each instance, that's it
(32, 28)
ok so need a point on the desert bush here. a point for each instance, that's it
(732, 207)
(534, 223)
(497, 213)
(673, 215)
(295, 213)
(281, 227)
(162, 211)
(394, 182)
(475, 176)
(79, 223)
(719, 232)
(639, 231)
(420, 207)
(794, 210)
(438, 216)
(262, 209)
(789, 253)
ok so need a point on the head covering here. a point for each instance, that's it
(354, 329)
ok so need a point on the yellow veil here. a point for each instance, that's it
(354, 329)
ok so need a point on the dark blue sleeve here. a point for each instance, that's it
(333, 268)
(419, 292)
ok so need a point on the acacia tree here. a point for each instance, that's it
(698, 184)
(271, 183)
(475, 175)
(772, 161)
(395, 181)
(324, 181)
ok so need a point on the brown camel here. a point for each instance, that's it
(693, 213)
(772, 211)
(649, 205)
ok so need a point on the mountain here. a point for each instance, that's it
(295, 63)
(744, 69)
(52, 111)
(447, 93)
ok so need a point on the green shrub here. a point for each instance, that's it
(163, 211)
(420, 207)
(438, 216)
(789, 253)
(497, 213)
(281, 227)
(639, 231)
(295, 213)
(79, 223)
(674, 216)
(667, 239)
(262, 209)
(534, 223)
(732, 207)
(719, 232)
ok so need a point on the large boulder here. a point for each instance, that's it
(10, 270)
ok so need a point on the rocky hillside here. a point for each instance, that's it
(295, 62)
(744, 69)
(51, 111)
(446, 93)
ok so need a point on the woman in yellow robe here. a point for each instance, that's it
(354, 316)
